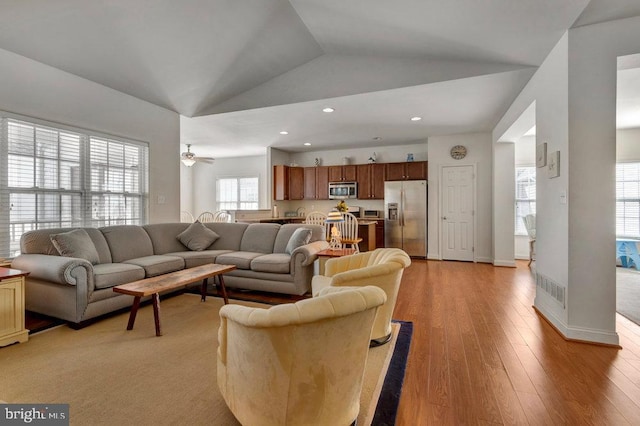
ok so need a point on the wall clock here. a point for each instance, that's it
(458, 152)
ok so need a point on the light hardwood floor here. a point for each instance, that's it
(481, 355)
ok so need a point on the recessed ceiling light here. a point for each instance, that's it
(328, 109)
(416, 118)
(307, 144)
(377, 138)
(284, 132)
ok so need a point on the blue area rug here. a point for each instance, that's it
(387, 407)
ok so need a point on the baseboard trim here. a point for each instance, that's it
(507, 263)
(433, 257)
(577, 334)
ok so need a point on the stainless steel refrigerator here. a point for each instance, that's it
(405, 216)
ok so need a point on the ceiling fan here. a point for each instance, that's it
(188, 158)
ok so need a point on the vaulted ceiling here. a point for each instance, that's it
(241, 71)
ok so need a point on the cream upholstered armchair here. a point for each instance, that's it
(297, 364)
(381, 267)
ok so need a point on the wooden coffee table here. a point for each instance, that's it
(154, 285)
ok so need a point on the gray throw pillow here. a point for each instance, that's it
(300, 237)
(197, 237)
(76, 243)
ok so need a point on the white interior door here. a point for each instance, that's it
(457, 189)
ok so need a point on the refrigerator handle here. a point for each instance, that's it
(402, 207)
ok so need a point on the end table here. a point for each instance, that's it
(12, 307)
(327, 254)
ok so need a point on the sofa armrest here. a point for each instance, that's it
(308, 252)
(55, 269)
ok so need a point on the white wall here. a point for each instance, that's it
(40, 91)
(204, 177)
(575, 92)
(479, 154)
(628, 145)
(549, 89)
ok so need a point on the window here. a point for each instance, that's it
(628, 200)
(525, 196)
(58, 177)
(237, 193)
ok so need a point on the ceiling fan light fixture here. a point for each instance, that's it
(188, 161)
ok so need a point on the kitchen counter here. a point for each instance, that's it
(280, 220)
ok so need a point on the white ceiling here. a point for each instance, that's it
(240, 71)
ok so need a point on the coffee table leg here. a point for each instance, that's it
(224, 289)
(203, 290)
(156, 313)
(134, 311)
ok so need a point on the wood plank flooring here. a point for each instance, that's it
(481, 355)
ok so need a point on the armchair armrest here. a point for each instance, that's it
(55, 269)
(337, 265)
(371, 275)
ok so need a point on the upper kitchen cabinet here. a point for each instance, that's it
(412, 170)
(310, 190)
(280, 182)
(296, 183)
(370, 178)
(342, 173)
(288, 183)
(322, 183)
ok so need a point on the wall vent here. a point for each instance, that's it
(551, 287)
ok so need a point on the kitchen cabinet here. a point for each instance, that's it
(380, 233)
(280, 182)
(296, 183)
(412, 170)
(288, 183)
(370, 178)
(310, 190)
(342, 173)
(322, 183)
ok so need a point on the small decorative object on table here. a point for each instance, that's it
(342, 206)
(335, 217)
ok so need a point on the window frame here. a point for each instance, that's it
(519, 228)
(238, 202)
(623, 199)
(67, 212)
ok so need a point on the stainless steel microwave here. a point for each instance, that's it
(343, 190)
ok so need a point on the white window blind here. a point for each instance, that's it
(52, 177)
(628, 200)
(525, 196)
(237, 193)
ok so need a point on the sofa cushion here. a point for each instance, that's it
(127, 242)
(158, 264)
(285, 232)
(242, 259)
(75, 243)
(108, 275)
(300, 237)
(197, 237)
(197, 258)
(259, 237)
(277, 263)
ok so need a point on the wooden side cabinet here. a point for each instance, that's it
(12, 307)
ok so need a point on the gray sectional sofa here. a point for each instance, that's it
(77, 289)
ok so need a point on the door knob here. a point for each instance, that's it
(444, 218)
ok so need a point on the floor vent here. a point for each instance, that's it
(551, 287)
